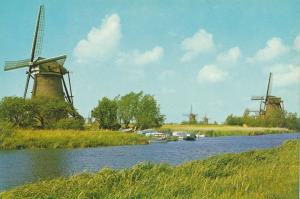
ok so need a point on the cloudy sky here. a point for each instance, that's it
(212, 54)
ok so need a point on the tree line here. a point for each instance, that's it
(39, 112)
(136, 110)
(276, 119)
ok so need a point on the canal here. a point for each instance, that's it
(22, 166)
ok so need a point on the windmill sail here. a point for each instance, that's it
(38, 34)
(10, 65)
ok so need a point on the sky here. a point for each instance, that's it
(213, 55)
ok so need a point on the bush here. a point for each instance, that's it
(6, 129)
(70, 123)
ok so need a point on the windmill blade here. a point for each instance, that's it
(257, 98)
(10, 65)
(26, 85)
(269, 86)
(60, 59)
(38, 34)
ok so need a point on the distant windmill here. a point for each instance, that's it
(48, 74)
(269, 103)
(205, 119)
(191, 116)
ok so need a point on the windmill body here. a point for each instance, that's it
(192, 116)
(47, 73)
(269, 104)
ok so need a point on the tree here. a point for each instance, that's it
(235, 120)
(106, 113)
(292, 121)
(16, 110)
(128, 106)
(148, 113)
(48, 111)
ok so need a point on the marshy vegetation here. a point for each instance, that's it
(223, 130)
(21, 139)
(268, 173)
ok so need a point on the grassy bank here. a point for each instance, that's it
(270, 173)
(223, 130)
(21, 139)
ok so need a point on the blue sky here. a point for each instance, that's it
(212, 54)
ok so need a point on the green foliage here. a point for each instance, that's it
(292, 121)
(148, 113)
(70, 123)
(234, 120)
(17, 111)
(48, 111)
(23, 139)
(6, 130)
(106, 113)
(269, 173)
(272, 119)
(128, 107)
(39, 112)
(135, 109)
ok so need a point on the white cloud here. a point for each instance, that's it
(231, 56)
(100, 42)
(274, 48)
(200, 42)
(297, 43)
(286, 74)
(212, 74)
(138, 58)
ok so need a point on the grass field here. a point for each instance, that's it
(21, 139)
(269, 173)
(223, 130)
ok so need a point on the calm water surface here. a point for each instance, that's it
(22, 166)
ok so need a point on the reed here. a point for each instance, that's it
(22, 139)
(223, 130)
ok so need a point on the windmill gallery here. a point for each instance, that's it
(48, 76)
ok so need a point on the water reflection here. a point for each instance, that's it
(47, 164)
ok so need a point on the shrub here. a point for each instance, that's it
(6, 129)
(70, 123)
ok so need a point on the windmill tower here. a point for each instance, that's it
(191, 116)
(205, 120)
(47, 73)
(269, 104)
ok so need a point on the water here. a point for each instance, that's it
(22, 166)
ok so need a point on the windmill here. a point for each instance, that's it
(269, 103)
(205, 119)
(191, 116)
(47, 73)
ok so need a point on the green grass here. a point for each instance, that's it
(223, 130)
(22, 139)
(270, 173)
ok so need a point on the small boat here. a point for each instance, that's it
(200, 135)
(190, 137)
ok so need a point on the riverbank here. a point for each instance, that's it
(51, 139)
(268, 173)
(223, 130)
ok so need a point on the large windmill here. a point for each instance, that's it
(47, 73)
(191, 116)
(269, 104)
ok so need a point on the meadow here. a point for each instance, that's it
(224, 130)
(268, 173)
(24, 138)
